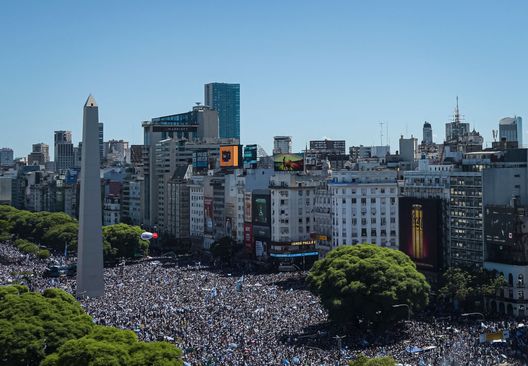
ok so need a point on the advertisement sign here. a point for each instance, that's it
(421, 230)
(499, 224)
(200, 159)
(261, 209)
(183, 128)
(494, 336)
(260, 248)
(230, 156)
(248, 236)
(250, 156)
(229, 227)
(503, 235)
(293, 255)
(288, 162)
(208, 216)
(248, 217)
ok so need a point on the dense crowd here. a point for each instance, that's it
(218, 318)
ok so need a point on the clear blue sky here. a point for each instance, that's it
(310, 69)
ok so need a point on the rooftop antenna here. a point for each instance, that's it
(381, 133)
(495, 134)
(388, 138)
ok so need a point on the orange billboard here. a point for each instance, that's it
(230, 156)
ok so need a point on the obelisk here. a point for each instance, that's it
(90, 281)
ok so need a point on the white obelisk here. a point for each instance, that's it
(90, 281)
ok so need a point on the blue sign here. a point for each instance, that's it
(291, 255)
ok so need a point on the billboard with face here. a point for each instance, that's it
(288, 162)
(421, 231)
(230, 156)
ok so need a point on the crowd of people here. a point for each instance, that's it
(219, 318)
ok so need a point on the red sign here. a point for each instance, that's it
(248, 236)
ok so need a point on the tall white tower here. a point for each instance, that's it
(90, 281)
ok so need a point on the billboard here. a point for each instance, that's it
(261, 209)
(229, 227)
(230, 156)
(421, 231)
(250, 156)
(248, 236)
(200, 159)
(208, 216)
(248, 217)
(503, 235)
(288, 162)
(499, 224)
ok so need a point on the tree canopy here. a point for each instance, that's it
(364, 282)
(122, 240)
(34, 325)
(223, 249)
(55, 230)
(377, 361)
(114, 347)
(52, 329)
(467, 286)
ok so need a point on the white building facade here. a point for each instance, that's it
(364, 208)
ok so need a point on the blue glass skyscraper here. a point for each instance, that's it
(225, 99)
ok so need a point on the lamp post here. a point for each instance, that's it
(402, 306)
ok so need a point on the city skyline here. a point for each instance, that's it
(298, 66)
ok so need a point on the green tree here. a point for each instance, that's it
(26, 246)
(114, 347)
(123, 240)
(34, 325)
(60, 235)
(465, 287)
(223, 249)
(377, 361)
(44, 221)
(363, 282)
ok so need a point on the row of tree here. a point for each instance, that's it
(52, 329)
(57, 230)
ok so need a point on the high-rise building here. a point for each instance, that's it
(64, 155)
(427, 134)
(200, 124)
(225, 99)
(6, 157)
(510, 128)
(39, 155)
(282, 145)
(408, 149)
